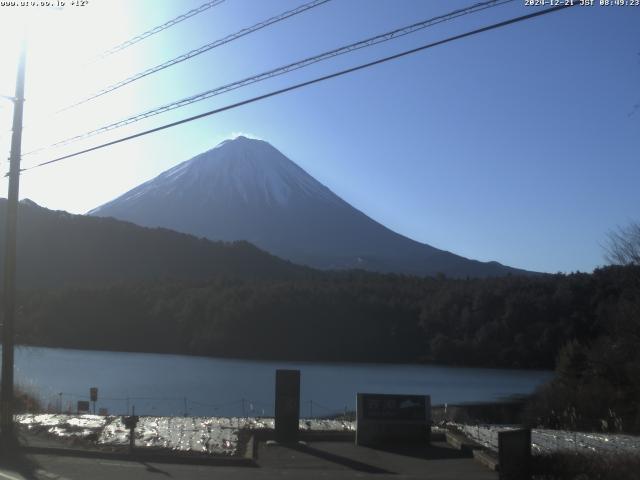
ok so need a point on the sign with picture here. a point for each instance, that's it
(390, 418)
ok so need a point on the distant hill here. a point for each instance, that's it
(245, 189)
(57, 248)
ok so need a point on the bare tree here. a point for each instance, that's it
(623, 245)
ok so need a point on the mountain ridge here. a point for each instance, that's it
(246, 189)
(57, 248)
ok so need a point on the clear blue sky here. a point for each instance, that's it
(519, 145)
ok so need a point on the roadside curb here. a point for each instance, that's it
(460, 442)
(486, 458)
(480, 454)
(247, 460)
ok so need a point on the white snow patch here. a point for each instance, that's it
(242, 169)
(213, 435)
(546, 440)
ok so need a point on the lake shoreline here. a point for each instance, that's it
(288, 360)
(169, 384)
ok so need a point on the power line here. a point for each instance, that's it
(279, 71)
(159, 28)
(307, 83)
(135, 40)
(197, 51)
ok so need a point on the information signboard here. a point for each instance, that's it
(83, 406)
(386, 418)
(394, 407)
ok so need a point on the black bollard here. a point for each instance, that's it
(287, 411)
(514, 454)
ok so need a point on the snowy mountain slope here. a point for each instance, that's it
(245, 189)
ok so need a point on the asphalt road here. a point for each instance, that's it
(322, 460)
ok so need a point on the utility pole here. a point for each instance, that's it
(9, 297)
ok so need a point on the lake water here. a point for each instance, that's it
(158, 384)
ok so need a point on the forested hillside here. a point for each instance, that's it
(519, 322)
(99, 283)
(56, 248)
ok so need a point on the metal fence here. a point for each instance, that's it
(67, 402)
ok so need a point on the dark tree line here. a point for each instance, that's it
(597, 382)
(519, 322)
(586, 326)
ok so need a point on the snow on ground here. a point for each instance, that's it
(543, 440)
(220, 435)
(214, 435)
(64, 426)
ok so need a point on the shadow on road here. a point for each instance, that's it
(340, 460)
(18, 462)
(431, 452)
(152, 469)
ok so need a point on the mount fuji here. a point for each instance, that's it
(245, 189)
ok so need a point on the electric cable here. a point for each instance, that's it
(309, 82)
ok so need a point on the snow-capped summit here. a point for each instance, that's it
(242, 169)
(245, 189)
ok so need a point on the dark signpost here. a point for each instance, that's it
(93, 395)
(287, 411)
(384, 419)
(514, 454)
